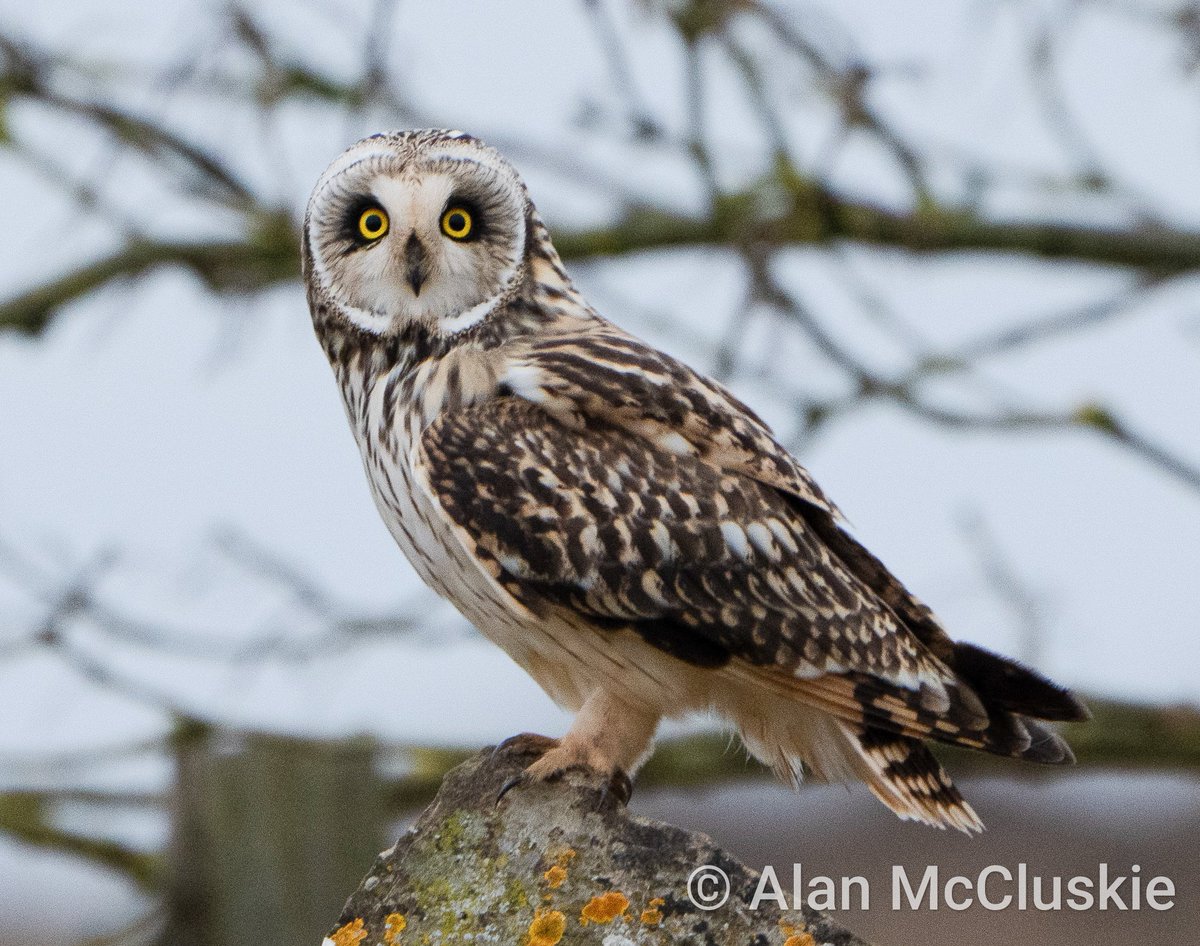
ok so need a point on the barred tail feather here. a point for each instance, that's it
(903, 774)
(869, 703)
(899, 769)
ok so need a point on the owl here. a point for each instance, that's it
(623, 527)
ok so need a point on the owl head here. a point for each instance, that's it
(424, 227)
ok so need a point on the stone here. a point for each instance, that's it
(560, 862)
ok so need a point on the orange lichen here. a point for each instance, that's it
(564, 857)
(652, 915)
(604, 908)
(555, 877)
(547, 928)
(393, 926)
(800, 939)
(351, 934)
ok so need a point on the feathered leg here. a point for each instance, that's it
(608, 736)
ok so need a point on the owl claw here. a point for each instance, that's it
(525, 777)
(508, 786)
(618, 786)
(525, 744)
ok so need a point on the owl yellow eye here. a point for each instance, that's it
(372, 223)
(457, 223)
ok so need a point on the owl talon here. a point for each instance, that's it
(525, 744)
(619, 787)
(508, 786)
(524, 777)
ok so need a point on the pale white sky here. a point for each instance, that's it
(151, 415)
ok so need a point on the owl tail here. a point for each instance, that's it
(899, 769)
(903, 774)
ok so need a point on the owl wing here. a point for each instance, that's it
(615, 481)
(708, 565)
(606, 374)
(603, 373)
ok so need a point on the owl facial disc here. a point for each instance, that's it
(417, 227)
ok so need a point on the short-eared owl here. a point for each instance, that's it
(625, 528)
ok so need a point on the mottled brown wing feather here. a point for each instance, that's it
(685, 553)
(609, 375)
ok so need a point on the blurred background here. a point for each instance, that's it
(949, 250)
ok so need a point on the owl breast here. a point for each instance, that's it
(388, 415)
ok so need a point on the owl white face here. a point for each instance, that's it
(417, 227)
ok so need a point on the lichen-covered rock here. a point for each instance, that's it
(555, 863)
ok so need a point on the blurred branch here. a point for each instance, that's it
(268, 256)
(905, 390)
(83, 191)
(847, 86)
(695, 132)
(257, 559)
(28, 74)
(819, 216)
(1026, 605)
(637, 112)
(344, 626)
(1046, 327)
(784, 208)
(25, 816)
(102, 798)
(1060, 119)
(1089, 416)
(35, 765)
(142, 930)
(73, 605)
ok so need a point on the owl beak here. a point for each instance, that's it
(414, 263)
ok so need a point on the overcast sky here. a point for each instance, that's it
(152, 415)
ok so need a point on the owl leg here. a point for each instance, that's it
(608, 737)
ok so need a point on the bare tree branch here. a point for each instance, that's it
(25, 816)
(267, 257)
(1026, 605)
(638, 113)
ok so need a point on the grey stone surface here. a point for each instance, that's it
(555, 863)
